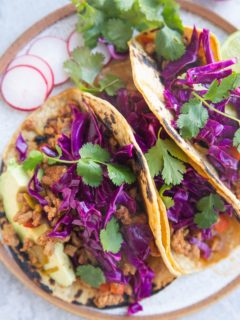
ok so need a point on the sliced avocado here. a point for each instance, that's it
(12, 181)
(59, 266)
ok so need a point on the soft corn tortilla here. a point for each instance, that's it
(115, 122)
(147, 80)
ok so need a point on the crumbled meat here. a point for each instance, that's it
(27, 244)
(52, 174)
(70, 250)
(52, 209)
(75, 239)
(237, 188)
(128, 290)
(216, 244)
(107, 299)
(49, 247)
(128, 269)
(123, 215)
(23, 217)
(182, 246)
(82, 258)
(141, 219)
(9, 236)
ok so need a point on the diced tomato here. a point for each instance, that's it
(222, 224)
(29, 225)
(117, 288)
(105, 287)
(234, 152)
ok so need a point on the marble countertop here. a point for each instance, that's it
(16, 301)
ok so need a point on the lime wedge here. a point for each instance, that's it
(231, 49)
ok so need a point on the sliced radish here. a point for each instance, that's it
(103, 49)
(75, 40)
(54, 51)
(38, 63)
(24, 87)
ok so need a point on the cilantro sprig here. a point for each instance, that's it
(207, 207)
(111, 238)
(194, 113)
(92, 158)
(84, 66)
(167, 158)
(93, 276)
(116, 21)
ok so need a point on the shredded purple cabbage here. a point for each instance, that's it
(35, 188)
(21, 147)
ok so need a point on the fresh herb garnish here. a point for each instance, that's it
(193, 117)
(117, 20)
(91, 275)
(218, 92)
(34, 158)
(236, 140)
(168, 201)
(166, 158)
(111, 238)
(89, 166)
(169, 44)
(207, 216)
(83, 68)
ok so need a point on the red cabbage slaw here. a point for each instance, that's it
(217, 135)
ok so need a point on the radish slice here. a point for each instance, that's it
(54, 51)
(75, 40)
(38, 63)
(103, 49)
(24, 87)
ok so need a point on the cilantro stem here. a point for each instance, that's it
(60, 160)
(110, 84)
(214, 109)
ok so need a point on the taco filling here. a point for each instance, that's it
(201, 94)
(81, 217)
(202, 225)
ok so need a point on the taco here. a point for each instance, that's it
(172, 90)
(199, 205)
(75, 217)
(198, 226)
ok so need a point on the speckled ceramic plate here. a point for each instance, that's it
(197, 290)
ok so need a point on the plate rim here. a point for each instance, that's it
(5, 257)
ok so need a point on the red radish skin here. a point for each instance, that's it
(13, 82)
(75, 40)
(103, 49)
(54, 51)
(38, 63)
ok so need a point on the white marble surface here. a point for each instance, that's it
(17, 302)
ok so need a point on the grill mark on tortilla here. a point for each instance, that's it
(78, 294)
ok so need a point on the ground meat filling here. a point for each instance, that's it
(182, 246)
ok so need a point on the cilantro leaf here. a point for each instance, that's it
(165, 158)
(111, 84)
(111, 238)
(120, 174)
(155, 160)
(124, 5)
(84, 65)
(91, 275)
(94, 152)
(168, 201)
(118, 32)
(174, 150)
(236, 140)
(90, 172)
(218, 92)
(171, 16)
(152, 9)
(169, 44)
(207, 207)
(173, 169)
(193, 117)
(34, 158)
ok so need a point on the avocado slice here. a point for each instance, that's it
(12, 181)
